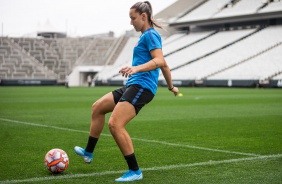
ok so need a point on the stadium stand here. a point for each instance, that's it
(205, 11)
(262, 67)
(173, 38)
(272, 6)
(261, 41)
(124, 59)
(205, 47)
(96, 52)
(32, 58)
(184, 42)
(16, 63)
(239, 8)
(278, 77)
(229, 8)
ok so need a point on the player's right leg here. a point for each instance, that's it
(99, 109)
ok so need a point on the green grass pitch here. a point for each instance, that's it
(209, 135)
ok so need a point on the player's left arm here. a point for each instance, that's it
(167, 75)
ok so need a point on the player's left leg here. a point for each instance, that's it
(122, 114)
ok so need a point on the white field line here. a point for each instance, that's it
(197, 147)
(169, 167)
(137, 139)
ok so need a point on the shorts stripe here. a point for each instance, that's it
(137, 96)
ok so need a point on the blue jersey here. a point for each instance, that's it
(149, 40)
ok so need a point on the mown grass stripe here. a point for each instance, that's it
(138, 139)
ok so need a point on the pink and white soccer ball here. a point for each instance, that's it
(56, 160)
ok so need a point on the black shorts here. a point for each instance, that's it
(134, 94)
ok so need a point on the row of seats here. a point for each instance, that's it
(262, 67)
(184, 41)
(17, 64)
(276, 5)
(206, 46)
(96, 53)
(228, 8)
(261, 41)
(57, 57)
(278, 77)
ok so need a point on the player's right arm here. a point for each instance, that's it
(157, 61)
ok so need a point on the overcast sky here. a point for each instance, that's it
(76, 17)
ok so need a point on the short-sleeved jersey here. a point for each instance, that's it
(149, 40)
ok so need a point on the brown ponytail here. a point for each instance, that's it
(146, 7)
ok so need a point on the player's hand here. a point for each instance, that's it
(175, 90)
(128, 71)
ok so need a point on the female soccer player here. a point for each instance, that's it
(140, 89)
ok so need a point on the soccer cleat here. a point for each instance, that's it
(130, 176)
(87, 156)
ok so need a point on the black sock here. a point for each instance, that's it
(131, 162)
(92, 141)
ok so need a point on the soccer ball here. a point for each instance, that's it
(56, 160)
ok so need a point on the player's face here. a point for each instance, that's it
(136, 20)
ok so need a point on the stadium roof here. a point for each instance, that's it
(48, 30)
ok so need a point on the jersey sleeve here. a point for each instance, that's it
(153, 41)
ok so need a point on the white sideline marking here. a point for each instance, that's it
(169, 167)
(197, 147)
(138, 139)
(40, 125)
